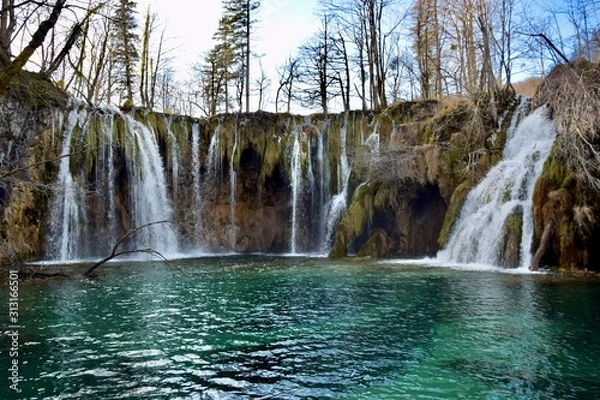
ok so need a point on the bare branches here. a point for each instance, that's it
(550, 45)
(115, 253)
(7, 75)
(573, 92)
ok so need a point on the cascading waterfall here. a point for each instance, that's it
(105, 185)
(323, 168)
(372, 142)
(338, 203)
(197, 196)
(143, 202)
(150, 202)
(296, 169)
(112, 223)
(506, 191)
(67, 217)
(174, 158)
(214, 151)
(232, 190)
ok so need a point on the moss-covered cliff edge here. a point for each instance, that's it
(415, 187)
(258, 182)
(28, 155)
(567, 195)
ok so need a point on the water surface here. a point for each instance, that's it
(272, 327)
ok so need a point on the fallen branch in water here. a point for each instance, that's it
(114, 253)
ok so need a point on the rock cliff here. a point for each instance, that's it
(76, 178)
(567, 195)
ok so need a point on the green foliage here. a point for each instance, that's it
(229, 59)
(125, 47)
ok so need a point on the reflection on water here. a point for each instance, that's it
(268, 327)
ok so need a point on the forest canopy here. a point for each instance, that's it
(366, 54)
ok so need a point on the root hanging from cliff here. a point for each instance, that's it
(545, 242)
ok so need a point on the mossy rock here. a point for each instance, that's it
(456, 202)
(36, 92)
(360, 213)
(377, 246)
(513, 231)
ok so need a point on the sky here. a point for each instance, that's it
(281, 27)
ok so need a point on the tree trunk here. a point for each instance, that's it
(544, 244)
(8, 73)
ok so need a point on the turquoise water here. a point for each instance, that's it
(301, 328)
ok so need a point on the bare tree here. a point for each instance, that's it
(8, 24)
(288, 73)
(150, 64)
(262, 83)
(316, 76)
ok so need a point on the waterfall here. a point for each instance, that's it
(150, 202)
(506, 191)
(338, 203)
(296, 169)
(174, 158)
(214, 151)
(232, 190)
(197, 198)
(372, 142)
(67, 216)
(110, 178)
(80, 197)
(323, 187)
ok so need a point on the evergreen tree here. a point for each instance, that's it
(125, 50)
(233, 35)
(214, 76)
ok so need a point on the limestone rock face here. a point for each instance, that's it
(387, 184)
(567, 196)
(27, 138)
(392, 220)
(430, 158)
(361, 183)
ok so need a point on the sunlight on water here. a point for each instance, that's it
(283, 327)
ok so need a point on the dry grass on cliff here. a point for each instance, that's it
(573, 92)
(529, 86)
(415, 151)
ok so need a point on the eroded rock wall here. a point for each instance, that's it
(28, 142)
(567, 195)
(431, 156)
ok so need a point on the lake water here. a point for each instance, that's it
(302, 328)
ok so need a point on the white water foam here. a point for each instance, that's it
(478, 235)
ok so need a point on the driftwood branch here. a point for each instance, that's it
(115, 253)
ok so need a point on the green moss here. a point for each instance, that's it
(456, 203)
(127, 104)
(36, 92)
(514, 223)
(119, 131)
(181, 129)
(376, 246)
(359, 215)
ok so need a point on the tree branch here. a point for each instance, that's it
(8, 74)
(114, 253)
(550, 44)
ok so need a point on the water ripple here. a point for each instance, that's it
(301, 328)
